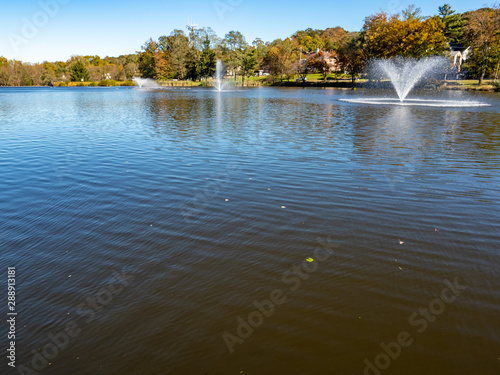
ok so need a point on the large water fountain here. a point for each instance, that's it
(144, 82)
(219, 76)
(405, 74)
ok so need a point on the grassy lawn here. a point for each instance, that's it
(264, 80)
(470, 82)
(96, 83)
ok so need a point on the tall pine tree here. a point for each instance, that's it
(78, 72)
(453, 24)
(207, 60)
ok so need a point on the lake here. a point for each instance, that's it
(253, 231)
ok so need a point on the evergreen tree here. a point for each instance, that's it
(453, 24)
(207, 60)
(248, 63)
(192, 64)
(79, 72)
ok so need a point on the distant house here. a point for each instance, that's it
(458, 54)
(329, 57)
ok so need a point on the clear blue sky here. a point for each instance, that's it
(110, 28)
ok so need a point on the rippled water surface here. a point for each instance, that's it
(350, 226)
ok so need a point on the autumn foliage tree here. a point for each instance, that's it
(483, 34)
(406, 34)
(351, 55)
(146, 61)
(281, 56)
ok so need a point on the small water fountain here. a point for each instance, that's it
(144, 82)
(219, 76)
(405, 74)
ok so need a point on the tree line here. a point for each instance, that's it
(192, 55)
(77, 69)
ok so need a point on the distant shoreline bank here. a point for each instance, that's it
(341, 85)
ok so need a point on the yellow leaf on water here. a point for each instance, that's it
(310, 260)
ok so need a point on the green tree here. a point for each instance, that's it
(78, 72)
(248, 63)
(309, 39)
(234, 44)
(207, 60)
(453, 24)
(351, 55)
(202, 33)
(177, 45)
(193, 64)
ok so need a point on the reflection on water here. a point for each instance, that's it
(206, 200)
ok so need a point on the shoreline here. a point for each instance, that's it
(342, 85)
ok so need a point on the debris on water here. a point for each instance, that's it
(268, 188)
(310, 260)
(283, 206)
(401, 242)
(226, 199)
(400, 268)
(436, 230)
